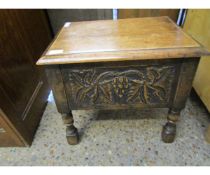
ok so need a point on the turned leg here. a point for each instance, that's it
(169, 129)
(72, 135)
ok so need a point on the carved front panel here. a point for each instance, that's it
(118, 85)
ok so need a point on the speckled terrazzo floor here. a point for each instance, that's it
(109, 138)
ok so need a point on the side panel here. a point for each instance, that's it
(120, 84)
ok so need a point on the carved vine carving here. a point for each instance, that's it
(147, 85)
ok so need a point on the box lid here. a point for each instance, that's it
(120, 40)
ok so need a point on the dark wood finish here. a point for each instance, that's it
(119, 84)
(8, 134)
(23, 86)
(183, 87)
(72, 135)
(145, 82)
(134, 13)
(55, 79)
(58, 17)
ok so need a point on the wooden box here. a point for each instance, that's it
(140, 62)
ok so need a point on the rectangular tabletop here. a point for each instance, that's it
(120, 40)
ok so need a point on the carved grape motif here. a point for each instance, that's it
(120, 84)
(147, 85)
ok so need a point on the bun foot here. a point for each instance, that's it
(72, 135)
(169, 132)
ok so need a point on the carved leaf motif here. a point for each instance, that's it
(107, 93)
(141, 95)
(88, 77)
(153, 75)
(145, 85)
(83, 94)
(158, 91)
(104, 77)
(77, 78)
(95, 94)
(134, 92)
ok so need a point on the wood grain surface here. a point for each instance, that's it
(120, 40)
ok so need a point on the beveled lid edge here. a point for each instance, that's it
(144, 54)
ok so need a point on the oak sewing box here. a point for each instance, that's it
(118, 64)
